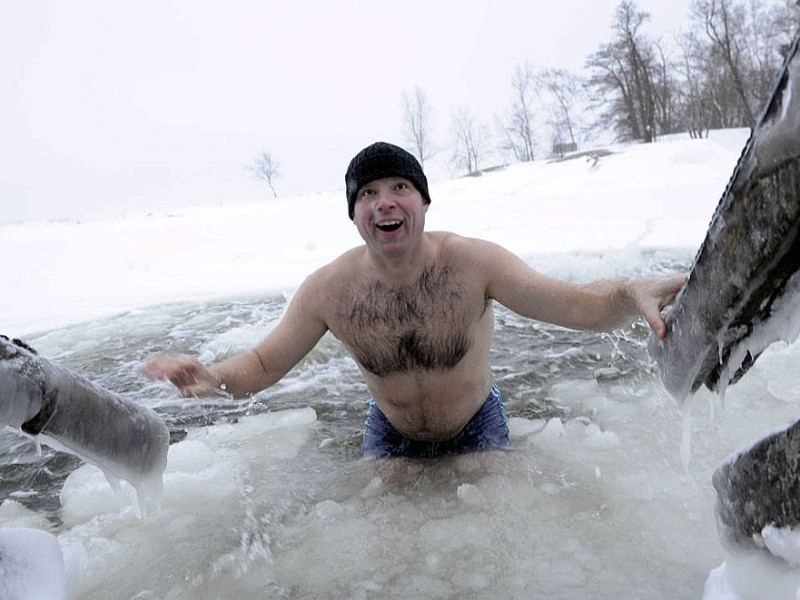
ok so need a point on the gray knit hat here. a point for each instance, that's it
(382, 160)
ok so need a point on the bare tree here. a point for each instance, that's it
(416, 118)
(469, 141)
(266, 168)
(563, 92)
(786, 19)
(718, 77)
(714, 86)
(723, 22)
(623, 79)
(769, 29)
(695, 104)
(665, 91)
(737, 48)
(518, 133)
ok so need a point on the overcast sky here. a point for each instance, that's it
(111, 105)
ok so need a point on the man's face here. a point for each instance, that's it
(389, 214)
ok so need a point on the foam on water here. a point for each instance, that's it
(206, 518)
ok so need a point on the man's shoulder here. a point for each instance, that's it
(348, 259)
(341, 265)
(447, 239)
(323, 287)
(453, 244)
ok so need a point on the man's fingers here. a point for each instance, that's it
(152, 370)
(659, 328)
(178, 370)
(656, 323)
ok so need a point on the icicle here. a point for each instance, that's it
(686, 434)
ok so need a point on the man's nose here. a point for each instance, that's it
(385, 201)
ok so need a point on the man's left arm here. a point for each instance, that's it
(651, 295)
(599, 305)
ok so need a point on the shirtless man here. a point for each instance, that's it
(414, 309)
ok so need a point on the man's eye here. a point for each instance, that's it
(402, 185)
(367, 192)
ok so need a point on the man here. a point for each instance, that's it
(414, 309)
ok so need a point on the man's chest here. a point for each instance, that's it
(426, 324)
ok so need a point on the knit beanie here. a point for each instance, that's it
(378, 161)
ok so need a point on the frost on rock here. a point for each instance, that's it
(759, 487)
(126, 440)
(743, 292)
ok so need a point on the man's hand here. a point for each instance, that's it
(184, 372)
(652, 294)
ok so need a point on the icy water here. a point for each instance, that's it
(533, 356)
(268, 498)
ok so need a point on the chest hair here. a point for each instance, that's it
(420, 326)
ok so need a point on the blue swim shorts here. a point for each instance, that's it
(486, 430)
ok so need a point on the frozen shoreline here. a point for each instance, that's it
(645, 196)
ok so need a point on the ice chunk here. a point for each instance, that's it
(31, 565)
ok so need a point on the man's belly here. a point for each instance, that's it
(431, 409)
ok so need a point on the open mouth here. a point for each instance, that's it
(389, 226)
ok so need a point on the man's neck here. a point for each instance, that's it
(406, 266)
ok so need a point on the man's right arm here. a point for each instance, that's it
(295, 335)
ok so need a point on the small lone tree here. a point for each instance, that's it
(266, 168)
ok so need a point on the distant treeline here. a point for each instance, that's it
(715, 74)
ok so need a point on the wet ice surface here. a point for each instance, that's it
(269, 497)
